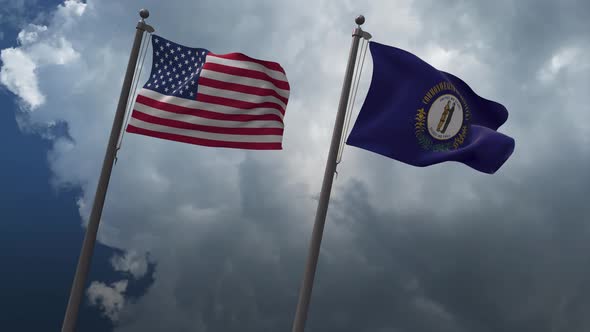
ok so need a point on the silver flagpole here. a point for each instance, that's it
(320, 218)
(83, 267)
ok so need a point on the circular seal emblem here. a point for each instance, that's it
(445, 117)
(442, 122)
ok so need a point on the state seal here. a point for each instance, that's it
(442, 124)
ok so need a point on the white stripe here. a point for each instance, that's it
(204, 121)
(205, 135)
(243, 81)
(193, 104)
(207, 90)
(277, 75)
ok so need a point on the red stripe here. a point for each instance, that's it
(237, 103)
(243, 57)
(204, 142)
(210, 129)
(241, 88)
(204, 113)
(246, 73)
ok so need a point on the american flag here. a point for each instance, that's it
(219, 100)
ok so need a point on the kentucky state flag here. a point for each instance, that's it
(421, 116)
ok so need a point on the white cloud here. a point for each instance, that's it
(564, 75)
(131, 262)
(39, 47)
(559, 61)
(71, 8)
(30, 34)
(18, 75)
(109, 299)
(20, 65)
(433, 308)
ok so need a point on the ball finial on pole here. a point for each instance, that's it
(144, 13)
(360, 20)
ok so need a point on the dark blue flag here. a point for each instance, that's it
(421, 116)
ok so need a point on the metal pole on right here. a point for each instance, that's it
(322, 210)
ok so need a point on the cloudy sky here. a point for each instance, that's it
(202, 239)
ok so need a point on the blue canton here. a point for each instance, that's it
(175, 68)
